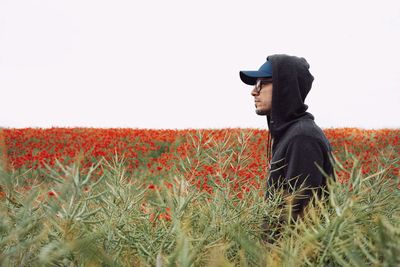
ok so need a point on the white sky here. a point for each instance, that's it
(175, 64)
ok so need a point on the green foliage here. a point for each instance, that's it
(73, 219)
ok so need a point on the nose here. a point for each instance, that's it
(254, 91)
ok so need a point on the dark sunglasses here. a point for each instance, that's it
(260, 83)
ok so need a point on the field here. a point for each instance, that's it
(141, 197)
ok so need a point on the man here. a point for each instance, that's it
(298, 144)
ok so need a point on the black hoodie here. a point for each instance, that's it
(298, 143)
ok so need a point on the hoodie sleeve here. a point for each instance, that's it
(302, 153)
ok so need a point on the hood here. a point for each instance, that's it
(291, 81)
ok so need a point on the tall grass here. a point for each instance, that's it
(74, 219)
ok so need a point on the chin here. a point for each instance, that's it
(262, 112)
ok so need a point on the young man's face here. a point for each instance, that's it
(262, 93)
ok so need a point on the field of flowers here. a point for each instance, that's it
(142, 197)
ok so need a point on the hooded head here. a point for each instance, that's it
(291, 82)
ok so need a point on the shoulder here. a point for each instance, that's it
(305, 128)
(307, 131)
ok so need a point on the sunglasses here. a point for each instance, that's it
(260, 83)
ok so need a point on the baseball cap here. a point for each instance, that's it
(250, 76)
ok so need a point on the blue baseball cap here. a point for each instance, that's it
(250, 76)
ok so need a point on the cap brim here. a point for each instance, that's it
(250, 76)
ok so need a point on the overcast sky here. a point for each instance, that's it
(175, 64)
